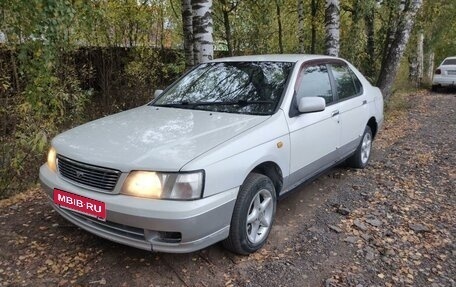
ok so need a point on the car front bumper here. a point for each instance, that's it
(141, 222)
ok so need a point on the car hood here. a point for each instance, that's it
(151, 138)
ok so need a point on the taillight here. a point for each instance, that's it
(438, 72)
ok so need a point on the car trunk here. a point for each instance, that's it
(448, 71)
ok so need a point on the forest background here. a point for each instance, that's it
(65, 62)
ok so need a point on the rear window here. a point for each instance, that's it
(449, 62)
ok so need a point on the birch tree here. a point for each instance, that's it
(430, 66)
(332, 24)
(397, 47)
(203, 44)
(420, 56)
(416, 62)
(187, 25)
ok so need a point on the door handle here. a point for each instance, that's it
(334, 113)
(364, 102)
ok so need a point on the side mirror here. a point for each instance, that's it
(157, 93)
(311, 104)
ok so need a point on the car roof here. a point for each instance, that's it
(453, 57)
(293, 58)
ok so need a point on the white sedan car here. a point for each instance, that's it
(445, 74)
(207, 159)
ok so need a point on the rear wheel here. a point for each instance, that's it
(253, 215)
(361, 157)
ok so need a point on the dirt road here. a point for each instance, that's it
(392, 224)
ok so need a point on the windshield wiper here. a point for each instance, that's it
(241, 103)
(174, 105)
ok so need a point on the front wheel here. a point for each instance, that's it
(253, 215)
(361, 157)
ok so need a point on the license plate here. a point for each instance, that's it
(81, 204)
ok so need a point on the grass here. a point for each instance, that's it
(397, 103)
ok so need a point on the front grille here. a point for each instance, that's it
(86, 174)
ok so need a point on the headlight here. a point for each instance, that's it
(52, 154)
(151, 184)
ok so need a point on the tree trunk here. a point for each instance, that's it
(226, 24)
(369, 20)
(226, 10)
(332, 23)
(416, 61)
(393, 19)
(187, 24)
(162, 28)
(420, 57)
(389, 36)
(203, 44)
(430, 71)
(314, 10)
(413, 69)
(354, 33)
(279, 22)
(395, 52)
(301, 26)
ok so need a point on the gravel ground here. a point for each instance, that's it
(391, 224)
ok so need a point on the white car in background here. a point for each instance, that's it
(445, 74)
(207, 159)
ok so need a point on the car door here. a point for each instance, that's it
(314, 137)
(352, 107)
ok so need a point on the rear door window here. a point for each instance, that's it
(347, 84)
(358, 85)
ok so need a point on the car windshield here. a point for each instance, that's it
(449, 62)
(233, 87)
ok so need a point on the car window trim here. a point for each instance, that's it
(285, 87)
(333, 83)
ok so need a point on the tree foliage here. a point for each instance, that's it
(48, 92)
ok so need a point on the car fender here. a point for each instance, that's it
(227, 165)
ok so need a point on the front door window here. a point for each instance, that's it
(315, 82)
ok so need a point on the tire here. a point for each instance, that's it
(251, 205)
(361, 157)
(434, 88)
